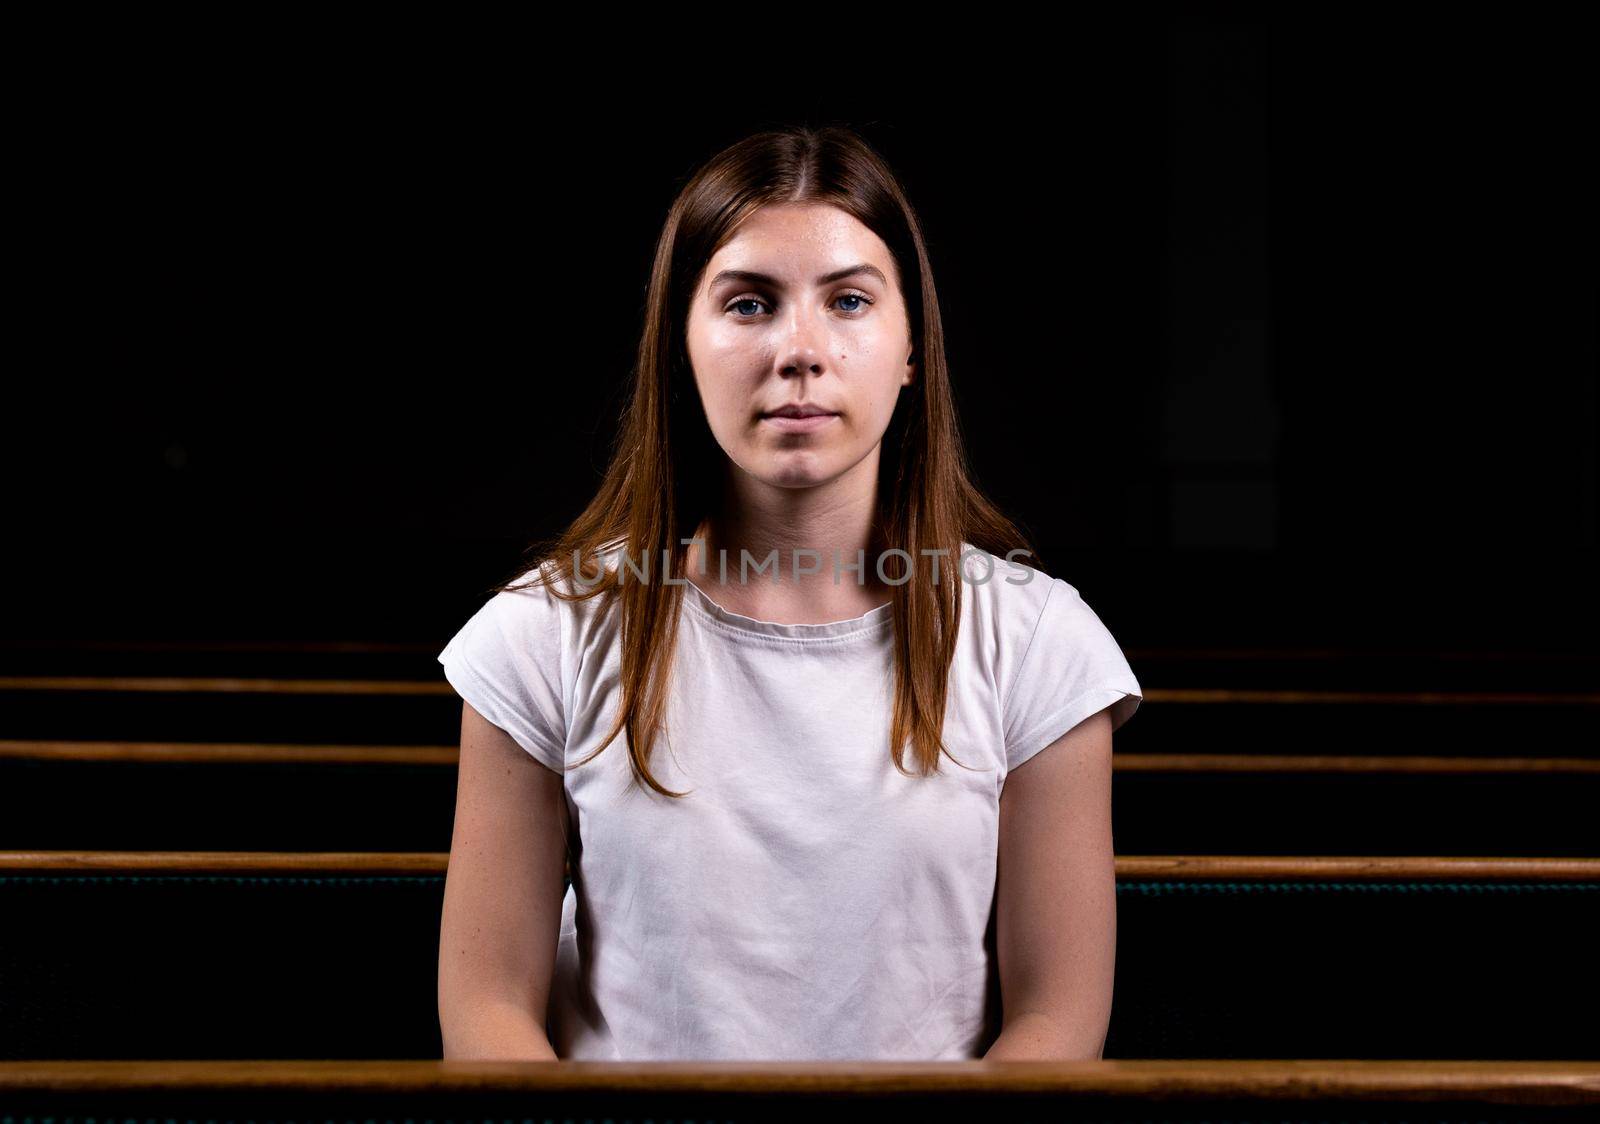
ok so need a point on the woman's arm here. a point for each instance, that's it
(1056, 900)
(502, 899)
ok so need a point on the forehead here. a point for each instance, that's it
(801, 239)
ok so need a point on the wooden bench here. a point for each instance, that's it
(1311, 1090)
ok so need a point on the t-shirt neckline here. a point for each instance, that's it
(868, 623)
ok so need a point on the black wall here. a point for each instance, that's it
(1270, 328)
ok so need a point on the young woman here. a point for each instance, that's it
(807, 816)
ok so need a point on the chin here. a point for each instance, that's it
(796, 471)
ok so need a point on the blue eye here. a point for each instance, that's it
(861, 298)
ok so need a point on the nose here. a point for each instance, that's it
(804, 351)
(802, 354)
(799, 361)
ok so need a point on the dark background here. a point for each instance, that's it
(1272, 329)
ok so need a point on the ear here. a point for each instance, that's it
(910, 375)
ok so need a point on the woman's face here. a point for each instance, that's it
(802, 309)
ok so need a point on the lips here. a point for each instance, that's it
(798, 411)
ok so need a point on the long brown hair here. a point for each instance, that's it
(666, 467)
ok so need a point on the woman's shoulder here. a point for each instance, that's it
(520, 614)
(1018, 607)
(1007, 590)
(547, 600)
(1055, 660)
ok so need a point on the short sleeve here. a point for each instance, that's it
(507, 662)
(1072, 668)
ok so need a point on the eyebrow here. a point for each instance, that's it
(751, 277)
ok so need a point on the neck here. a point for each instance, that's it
(806, 532)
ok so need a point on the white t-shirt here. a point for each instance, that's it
(805, 901)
